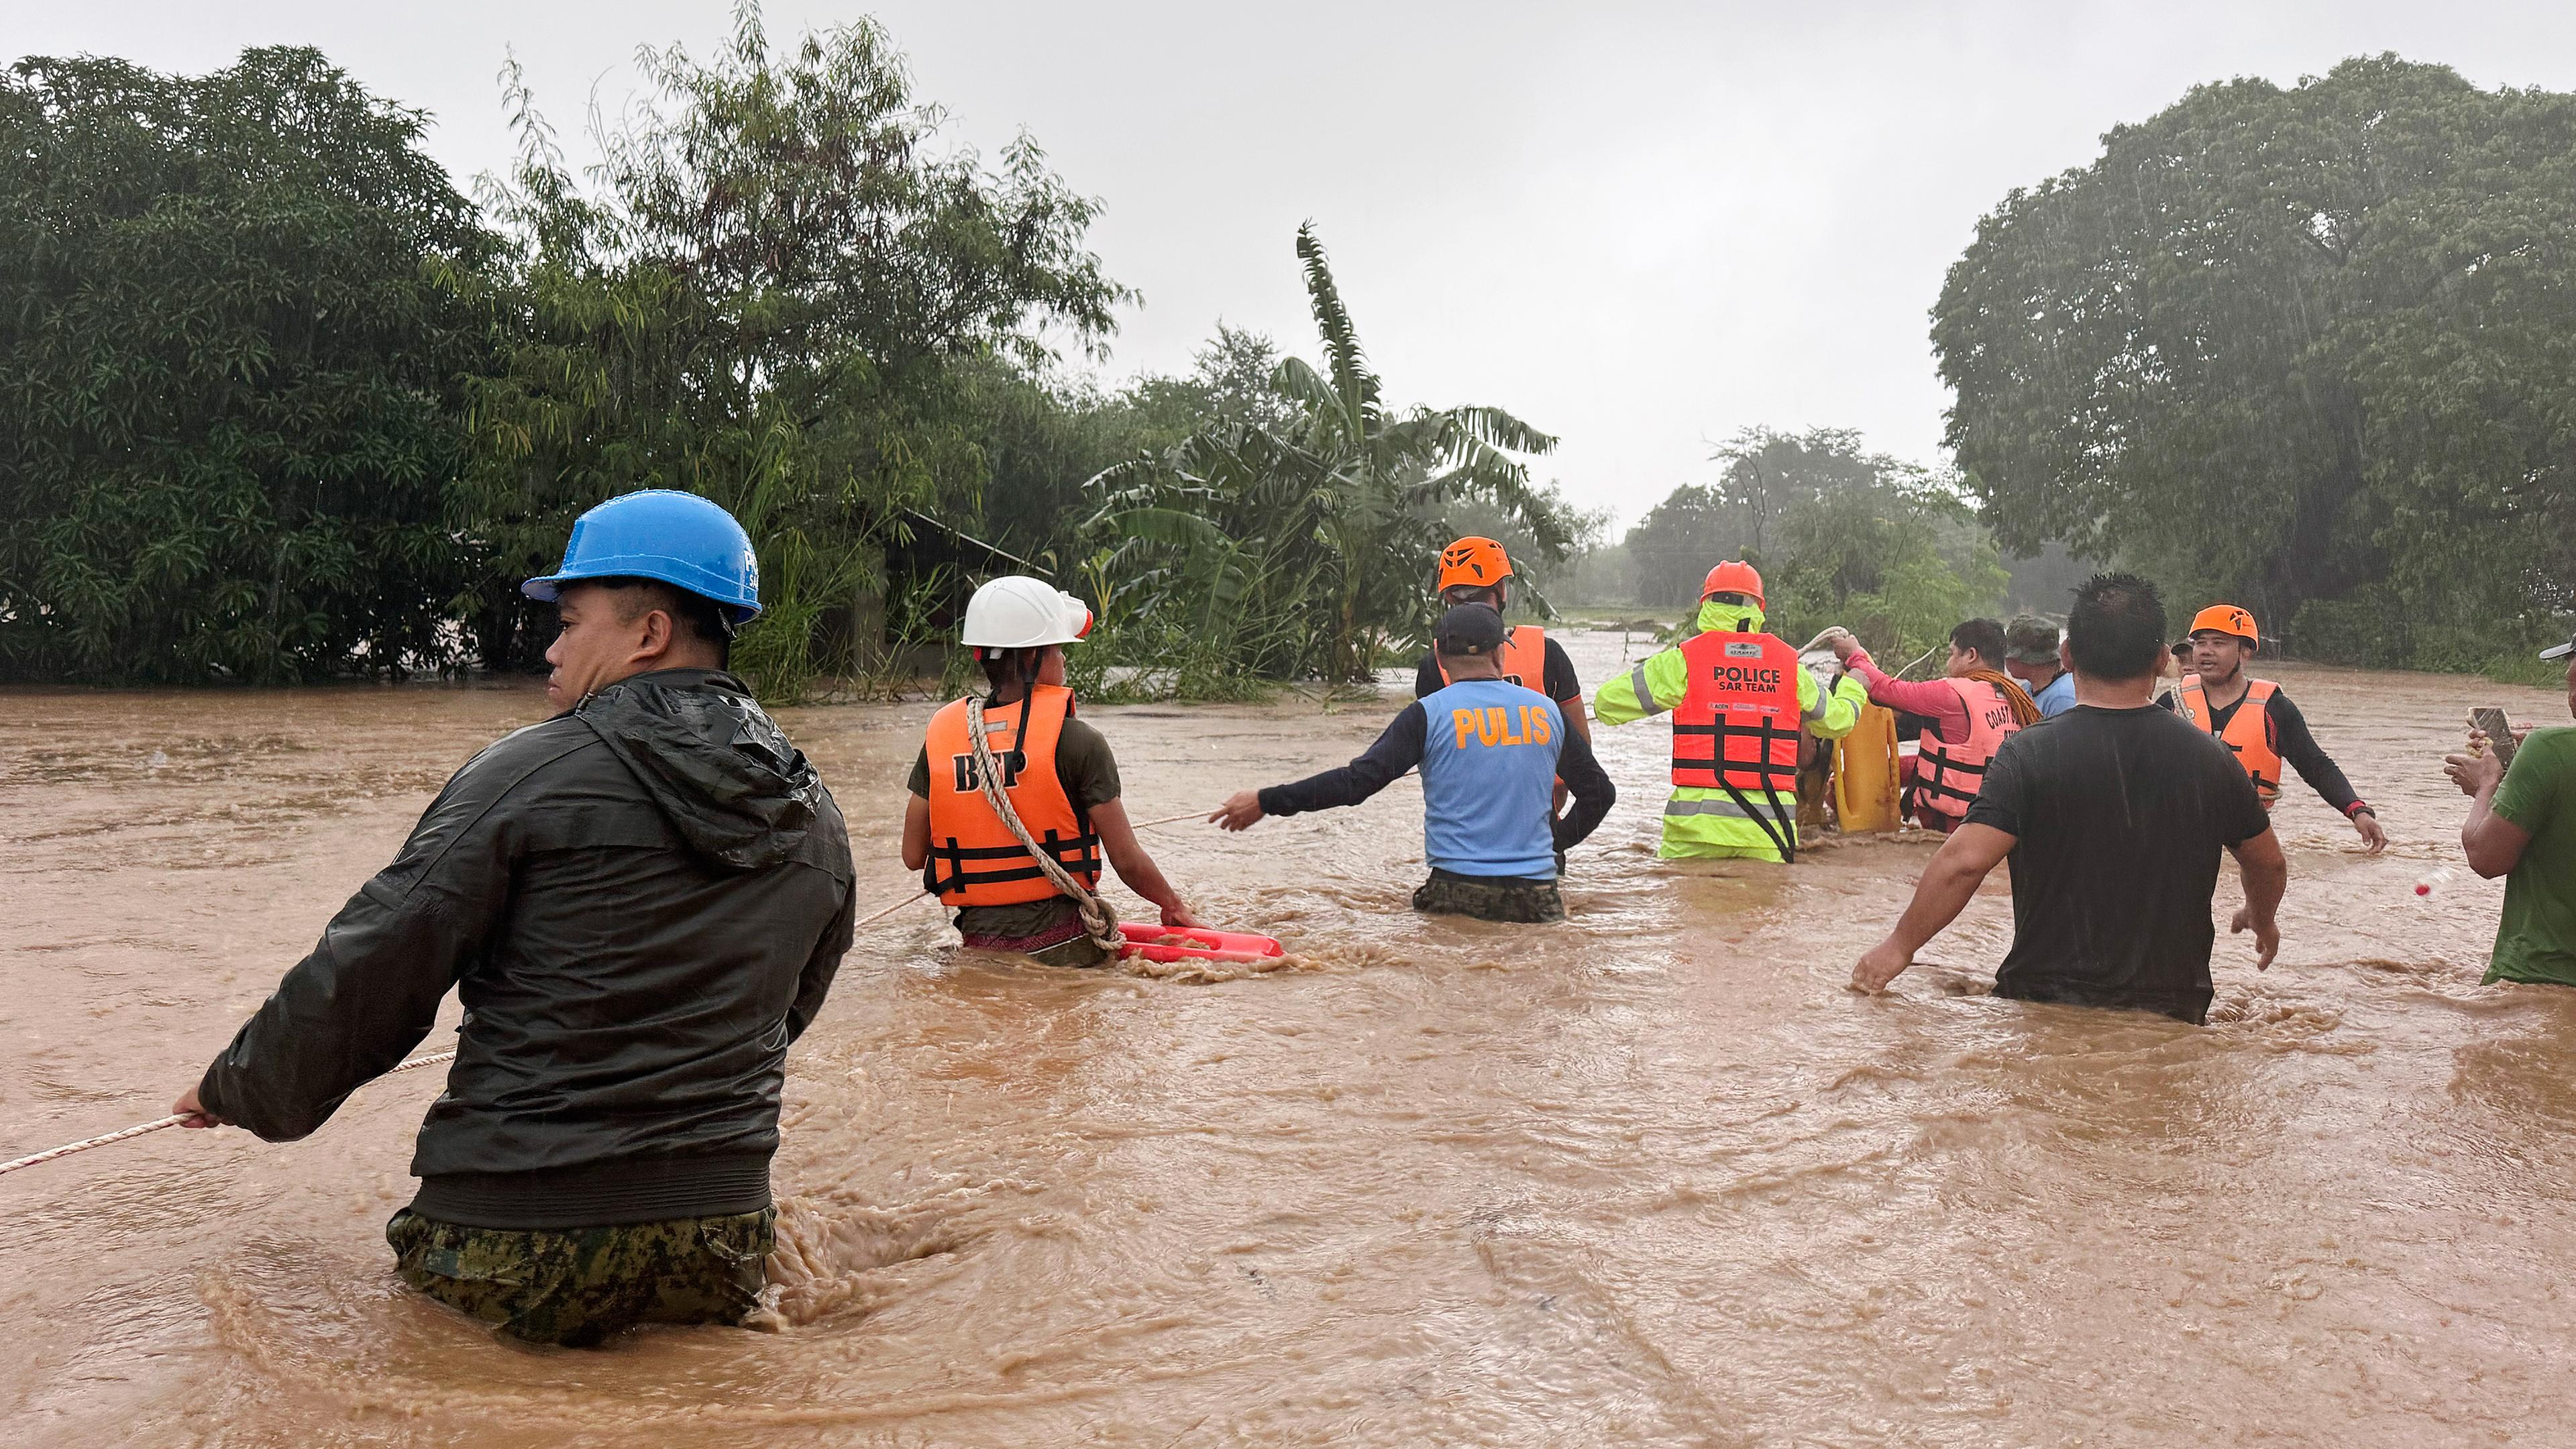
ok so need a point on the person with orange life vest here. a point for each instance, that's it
(1490, 752)
(1476, 570)
(1974, 707)
(1740, 699)
(1059, 775)
(2214, 695)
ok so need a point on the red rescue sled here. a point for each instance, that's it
(1157, 942)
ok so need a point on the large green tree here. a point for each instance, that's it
(787, 295)
(1318, 530)
(230, 363)
(2307, 349)
(1841, 535)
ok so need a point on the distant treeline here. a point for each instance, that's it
(278, 402)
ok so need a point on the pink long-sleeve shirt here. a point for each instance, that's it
(1933, 699)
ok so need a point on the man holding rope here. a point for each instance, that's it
(1015, 802)
(642, 902)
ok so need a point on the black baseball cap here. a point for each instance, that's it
(1468, 629)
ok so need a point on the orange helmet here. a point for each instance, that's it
(1477, 563)
(2226, 619)
(1734, 577)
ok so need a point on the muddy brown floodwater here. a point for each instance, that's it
(1650, 1177)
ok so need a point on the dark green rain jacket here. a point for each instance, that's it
(641, 903)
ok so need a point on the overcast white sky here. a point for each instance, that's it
(1638, 226)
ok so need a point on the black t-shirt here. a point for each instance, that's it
(1560, 685)
(2119, 816)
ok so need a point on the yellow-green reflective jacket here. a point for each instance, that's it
(1709, 823)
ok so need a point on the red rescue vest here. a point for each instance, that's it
(1946, 776)
(974, 858)
(1522, 659)
(1738, 722)
(2248, 732)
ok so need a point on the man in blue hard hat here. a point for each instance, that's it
(641, 902)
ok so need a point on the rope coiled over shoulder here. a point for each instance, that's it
(1096, 921)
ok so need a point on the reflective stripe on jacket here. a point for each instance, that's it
(974, 858)
(2248, 734)
(1739, 719)
(1947, 776)
(1704, 824)
(1745, 699)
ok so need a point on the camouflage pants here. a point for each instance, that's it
(1518, 902)
(577, 1286)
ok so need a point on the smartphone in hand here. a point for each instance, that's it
(2491, 722)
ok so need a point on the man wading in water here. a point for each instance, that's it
(641, 901)
(2113, 815)
(1476, 570)
(1973, 707)
(1057, 773)
(1491, 752)
(2257, 722)
(1740, 701)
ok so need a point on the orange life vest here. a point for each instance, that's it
(2248, 733)
(1947, 776)
(974, 858)
(1737, 724)
(1522, 659)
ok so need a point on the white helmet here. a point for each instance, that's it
(1019, 612)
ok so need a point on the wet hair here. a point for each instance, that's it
(2116, 627)
(695, 615)
(1985, 636)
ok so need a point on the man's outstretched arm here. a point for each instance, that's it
(1397, 750)
(2295, 744)
(1948, 881)
(370, 989)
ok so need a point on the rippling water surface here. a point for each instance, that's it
(1650, 1177)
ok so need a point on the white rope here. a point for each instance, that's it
(1092, 912)
(888, 911)
(988, 778)
(173, 1120)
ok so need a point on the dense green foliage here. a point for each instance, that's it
(2311, 350)
(229, 375)
(1300, 541)
(277, 402)
(782, 299)
(1841, 536)
(1043, 445)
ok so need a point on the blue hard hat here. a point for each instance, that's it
(660, 533)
